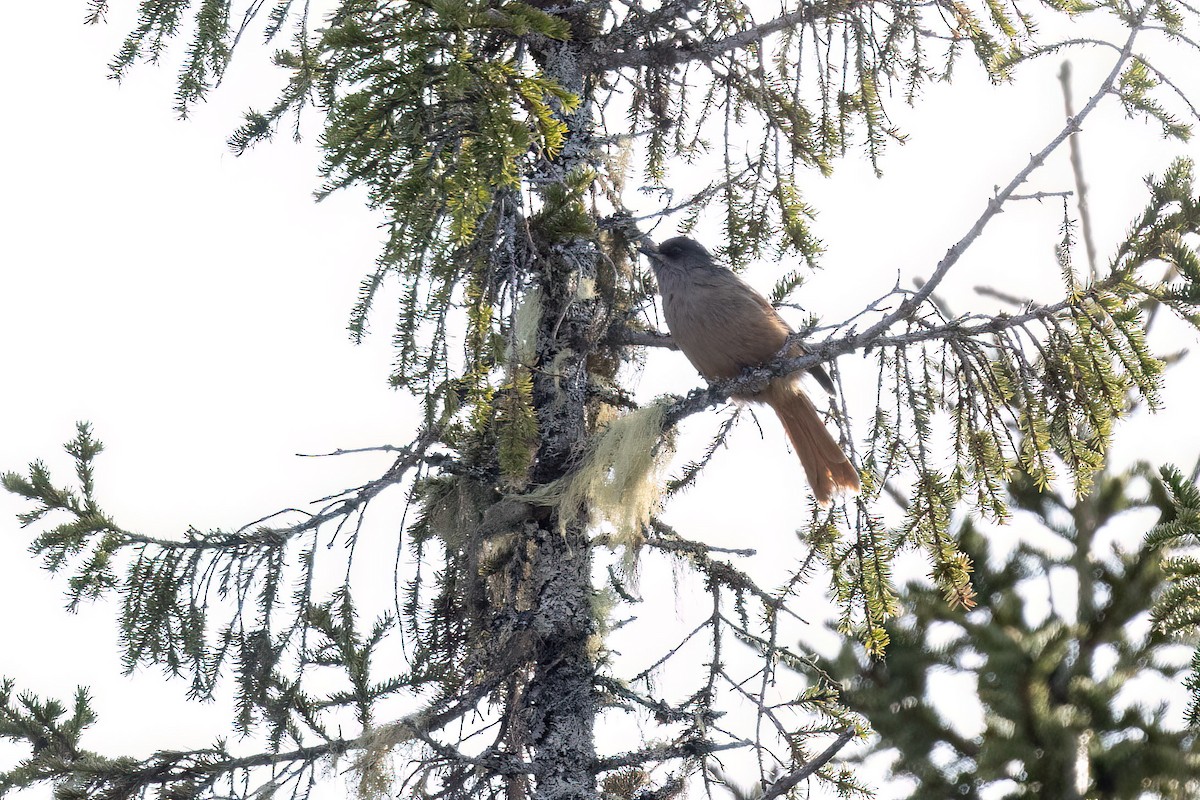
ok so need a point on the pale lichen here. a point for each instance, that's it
(619, 480)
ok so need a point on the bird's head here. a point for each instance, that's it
(679, 254)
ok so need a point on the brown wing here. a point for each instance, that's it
(818, 372)
(722, 325)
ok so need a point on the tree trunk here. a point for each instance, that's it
(561, 702)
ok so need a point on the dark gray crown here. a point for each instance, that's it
(681, 248)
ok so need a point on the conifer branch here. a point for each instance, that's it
(910, 305)
(962, 329)
(478, 130)
(666, 54)
(343, 504)
(659, 708)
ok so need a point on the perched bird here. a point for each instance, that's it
(723, 326)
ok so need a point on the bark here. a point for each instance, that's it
(561, 702)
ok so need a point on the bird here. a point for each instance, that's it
(724, 326)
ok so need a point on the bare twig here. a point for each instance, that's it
(498, 763)
(785, 784)
(696, 198)
(662, 710)
(1064, 77)
(342, 451)
(752, 380)
(996, 204)
(687, 749)
(1043, 195)
(623, 335)
(1011, 299)
(339, 506)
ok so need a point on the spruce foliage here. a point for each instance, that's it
(496, 137)
(1177, 609)
(1067, 668)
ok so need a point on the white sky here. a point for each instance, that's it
(192, 305)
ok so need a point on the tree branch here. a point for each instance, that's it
(664, 752)
(995, 205)
(785, 784)
(666, 54)
(619, 334)
(167, 767)
(345, 503)
(753, 380)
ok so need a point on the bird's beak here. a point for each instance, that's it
(649, 248)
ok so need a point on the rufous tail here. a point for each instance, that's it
(829, 471)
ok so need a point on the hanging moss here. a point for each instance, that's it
(619, 479)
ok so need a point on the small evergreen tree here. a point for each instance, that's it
(1177, 610)
(1050, 680)
(494, 136)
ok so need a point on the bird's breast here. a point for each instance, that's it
(722, 329)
